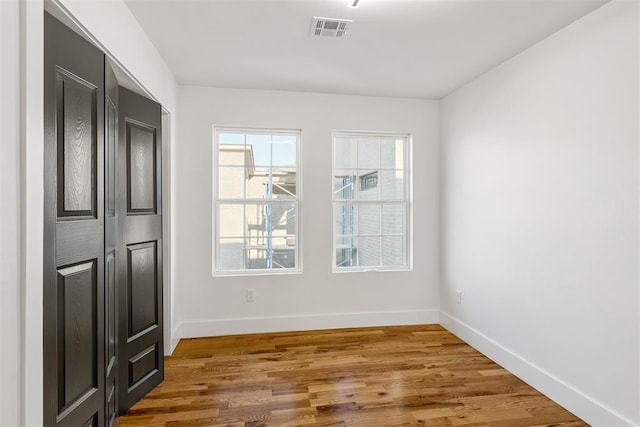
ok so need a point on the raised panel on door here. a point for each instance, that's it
(76, 107)
(142, 287)
(110, 311)
(77, 326)
(73, 267)
(143, 365)
(110, 155)
(141, 168)
(139, 288)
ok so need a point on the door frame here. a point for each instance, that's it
(10, 215)
(30, 32)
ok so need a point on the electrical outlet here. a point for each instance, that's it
(458, 297)
(251, 295)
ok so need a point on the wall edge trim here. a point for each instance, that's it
(565, 394)
(304, 322)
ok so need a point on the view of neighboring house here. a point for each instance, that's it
(255, 234)
(370, 195)
(257, 192)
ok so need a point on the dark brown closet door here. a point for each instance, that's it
(139, 251)
(73, 306)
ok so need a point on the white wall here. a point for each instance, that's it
(316, 298)
(540, 215)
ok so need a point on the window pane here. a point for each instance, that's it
(231, 256)
(392, 250)
(368, 185)
(260, 150)
(231, 220)
(284, 226)
(283, 242)
(368, 153)
(369, 219)
(392, 219)
(344, 216)
(368, 251)
(346, 241)
(257, 258)
(283, 184)
(344, 153)
(392, 153)
(370, 230)
(230, 138)
(283, 220)
(271, 233)
(284, 258)
(392, 184)
(344, 185)
(346, 253)
(257, 187)
(256, 182)
(256, 218)
(271, 185)
(231, 180)
(284, 151)
(256, 240)
(232, 154)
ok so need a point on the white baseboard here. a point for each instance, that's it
(174, 344)
(589, 409)
(220, 327)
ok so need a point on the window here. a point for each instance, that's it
(371, 201)
(369, 181)
(256, 193)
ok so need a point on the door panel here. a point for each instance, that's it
(142, 287)
(76, 113)
(111, 124)
(141, 171)
(77, 300)
(73, 288)
(143, 365)
(110, 312)
(139, 271)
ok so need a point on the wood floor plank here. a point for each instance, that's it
(388, 377)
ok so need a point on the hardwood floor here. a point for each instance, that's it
(387, 376)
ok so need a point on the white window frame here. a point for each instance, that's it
(407, 264)
(216, 272)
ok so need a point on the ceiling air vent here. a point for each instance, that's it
(329, 27)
